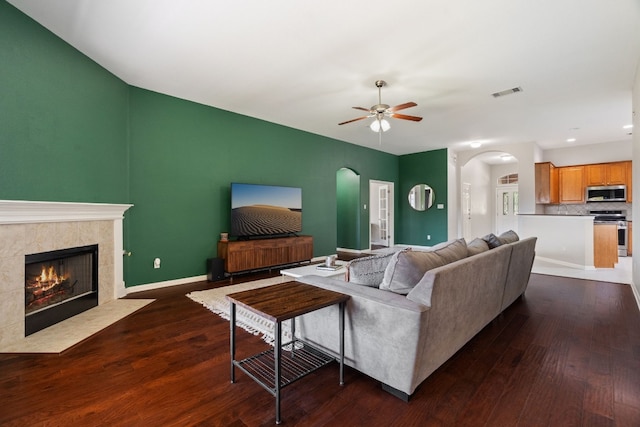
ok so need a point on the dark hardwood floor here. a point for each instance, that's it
(568, 354)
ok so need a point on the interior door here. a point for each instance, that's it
(506, 208)
(466, 211)
(383, 214)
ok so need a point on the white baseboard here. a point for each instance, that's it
(165, 284)
(636, 294)
(565, 264)
(183, 281)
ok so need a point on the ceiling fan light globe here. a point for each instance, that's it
(380, 124)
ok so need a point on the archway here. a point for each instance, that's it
(481, 194)
(348, 209)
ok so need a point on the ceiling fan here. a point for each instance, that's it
(380, 111)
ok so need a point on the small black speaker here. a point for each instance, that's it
(215, 269)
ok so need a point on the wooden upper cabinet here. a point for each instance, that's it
(606, 174)
(547, 191)
(617, 173)
(571, 182)
(567, 184)
(629, 182)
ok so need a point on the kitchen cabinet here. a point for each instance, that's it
(605, 245)
(571, 182)
(606, 174)
(629, 182)
(546, 185)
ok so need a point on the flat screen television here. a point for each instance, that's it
(265, 210)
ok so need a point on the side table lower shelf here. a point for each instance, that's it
(297, 360)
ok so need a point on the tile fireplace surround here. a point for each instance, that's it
(28, 227)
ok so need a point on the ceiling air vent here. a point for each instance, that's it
(507, 92)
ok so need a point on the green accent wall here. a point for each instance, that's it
(63, 119)
(429, 167)
(184, 157)
(72, 131)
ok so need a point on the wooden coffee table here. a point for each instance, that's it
(272, 369)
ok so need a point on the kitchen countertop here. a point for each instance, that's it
(561, 215)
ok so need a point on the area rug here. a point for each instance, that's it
(214, 300)
(61, 336)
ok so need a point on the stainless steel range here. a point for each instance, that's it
(620, 219)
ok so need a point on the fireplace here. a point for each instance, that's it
(30, 227)
(59, 284)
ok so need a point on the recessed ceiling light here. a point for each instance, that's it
(477, 143)
(571, 140)
(627, 126)
(506, 157)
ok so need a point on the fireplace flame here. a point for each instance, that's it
(49, 278)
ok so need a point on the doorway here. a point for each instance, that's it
(348, 209)
(381, 214)
(506, 208)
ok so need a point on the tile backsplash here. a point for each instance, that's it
(583, 209)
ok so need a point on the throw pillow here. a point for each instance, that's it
(508, 237)
(451, 251)
(492, 240)
(406, 268)
(368, 271)
(477, 246)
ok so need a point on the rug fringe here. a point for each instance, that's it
(214, 300)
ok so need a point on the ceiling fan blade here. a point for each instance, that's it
(405, 117)
(362, 108)
(353, 120)
(402, 106)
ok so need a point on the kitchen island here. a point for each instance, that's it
(562, 239)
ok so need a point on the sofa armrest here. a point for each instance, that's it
(522, 256)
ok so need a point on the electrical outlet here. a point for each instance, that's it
(428, 236)
(156, 263)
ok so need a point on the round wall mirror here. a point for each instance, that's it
(421, 197)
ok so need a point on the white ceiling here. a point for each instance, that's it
(305, 64)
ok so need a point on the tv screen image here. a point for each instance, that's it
(265, 210)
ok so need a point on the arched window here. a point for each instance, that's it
(508, 179)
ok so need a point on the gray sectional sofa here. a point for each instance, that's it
(430, 305)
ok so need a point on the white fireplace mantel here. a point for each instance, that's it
(25, 211)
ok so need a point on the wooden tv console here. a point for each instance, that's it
(246, 255)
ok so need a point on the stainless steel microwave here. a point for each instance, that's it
(607, 193)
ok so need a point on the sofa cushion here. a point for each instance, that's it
(508, 237)
(406, 268)
(368, 271)
(492, 240)
(477, 246)
(451, 250)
